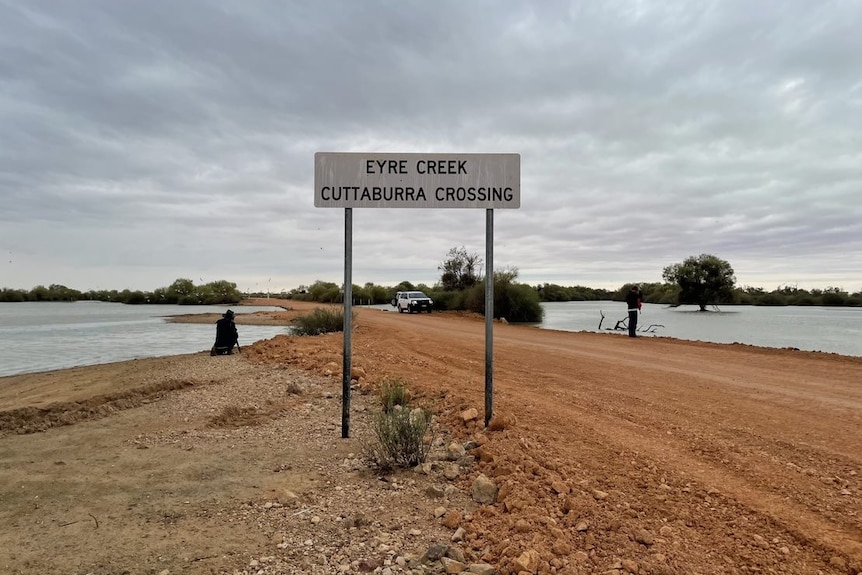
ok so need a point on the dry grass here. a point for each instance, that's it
(233, 416)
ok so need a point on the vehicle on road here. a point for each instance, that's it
(413, 301)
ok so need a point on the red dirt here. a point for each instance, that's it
(647, 455)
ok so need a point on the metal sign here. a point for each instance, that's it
(358, 180)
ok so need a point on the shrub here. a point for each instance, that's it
(400, 438)
(319, 321)
(393, 393)
(233, 416)
(513, 301)
(293, 388)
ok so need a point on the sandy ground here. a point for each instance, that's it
(613, 455)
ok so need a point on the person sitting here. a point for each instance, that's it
(226, 335)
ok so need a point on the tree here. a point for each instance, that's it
(461, 270)
(512, 300)
(180, 291)
(703, 280)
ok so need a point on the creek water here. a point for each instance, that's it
(42, 336)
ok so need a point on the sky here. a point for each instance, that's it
(148, 140)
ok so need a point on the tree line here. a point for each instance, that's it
(182, 291)
(704, 280)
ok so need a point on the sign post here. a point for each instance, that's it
(390, 180)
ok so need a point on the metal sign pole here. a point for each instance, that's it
(348, 321)
(409, 180)
(489, 315)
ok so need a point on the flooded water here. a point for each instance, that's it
(41, 336)
(828, 329)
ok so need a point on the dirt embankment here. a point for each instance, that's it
(618, 455)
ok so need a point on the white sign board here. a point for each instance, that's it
(357, 180)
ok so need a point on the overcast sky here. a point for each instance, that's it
(145, 141)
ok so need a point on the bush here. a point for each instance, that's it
(393, 393)
(513, 301)
(319, 321)
(400, 438)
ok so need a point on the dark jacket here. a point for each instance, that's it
(634, 299)
(226, 334)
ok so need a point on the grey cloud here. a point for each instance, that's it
(140, 133)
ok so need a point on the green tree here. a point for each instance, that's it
(461, 270)
(512, 300)
(182, 290)
(703, 280)
(220, 292)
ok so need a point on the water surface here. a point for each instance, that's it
(41, 336)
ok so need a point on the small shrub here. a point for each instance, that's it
(293, 388)
(319, 321)
(400, 438)
(233, 416)
(392, 393)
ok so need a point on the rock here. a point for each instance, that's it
(644, 537)
(582, 525)
(455, 553)
(528, 561)
(452, 471)
(286, 497)
(459, 534)
(560, 488)
(522, 526)
(561, 548)
(480, 569)
(569, 504)
(439, 512)
(630, 566)
(435, 552)
(369, 565)
(357, 373)
(665, 531)
(452, 566)
(469, 415)
(599, 495)
(454, 451)
(452, 519)
(434, 491)
(484, 490)
(761, 542)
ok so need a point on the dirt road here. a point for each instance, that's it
(616, 455)
(729, 458)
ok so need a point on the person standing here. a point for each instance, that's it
(226, 335)
(634, 302)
